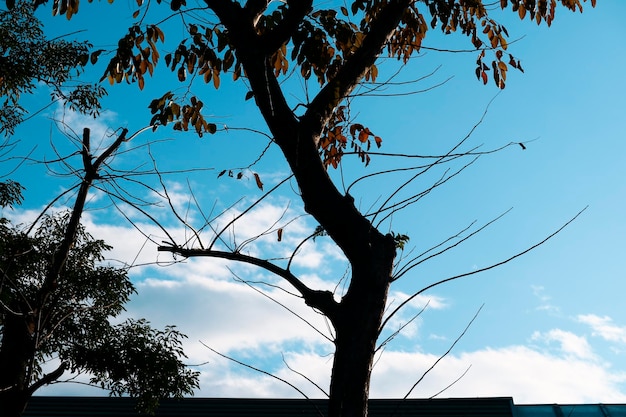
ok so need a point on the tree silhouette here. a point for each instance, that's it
(56, 299)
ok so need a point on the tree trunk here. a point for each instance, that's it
(16, 353)
(358, 317)
(357, 328)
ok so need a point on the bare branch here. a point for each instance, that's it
(445, 354)
(487, 268)
(416, 261)
(402, 327)
(262, 372)
(304, 376)
(217, 236)
(451, 384)
(308, 323)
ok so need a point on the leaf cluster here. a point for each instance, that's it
(27, 58)
(10, 193)
(132, 358)
(130, 65)
(340, 131)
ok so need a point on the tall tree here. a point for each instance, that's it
(338, 45)
(56, 299)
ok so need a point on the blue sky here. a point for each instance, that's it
(553, 325)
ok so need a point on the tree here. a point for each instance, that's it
(338, 46)
(57, 297)
(28, 58)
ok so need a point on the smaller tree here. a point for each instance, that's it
(57, 297)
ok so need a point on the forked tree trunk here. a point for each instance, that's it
(357, 318)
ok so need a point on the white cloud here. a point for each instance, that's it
(224, 314)
(408, 318)
(570, 344)
(102, 129)
(528, 375)
(545, 301)
(604, 327)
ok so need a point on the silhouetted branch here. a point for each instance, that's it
(445, 354)
(304, 376)
(416, 261)
(402, 327)
(243, 213)
(308, 323)
(322, 300)
(260, 371)
(487, 268)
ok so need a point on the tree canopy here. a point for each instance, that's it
(28, 57)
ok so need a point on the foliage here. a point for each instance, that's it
(27, 58)
(74, 324)
(10, 193)
(323, 44)
(134, 359)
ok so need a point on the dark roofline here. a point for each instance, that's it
(40, 406)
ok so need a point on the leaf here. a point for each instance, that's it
(503, 42)
(221, 173)
(135, 14)
(216, 78)
(94, 55)
(159, 33)
(249, 95)
(355, 127)
(258, 182)
(279, 232)
(373, 72)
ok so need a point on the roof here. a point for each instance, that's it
(249, 407)
(239, 407)
(571, 410)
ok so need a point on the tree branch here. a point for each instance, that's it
(296, 11)
(355, 67)
(47, 378)
(62, 252)
(321, 300)
(477, 271)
